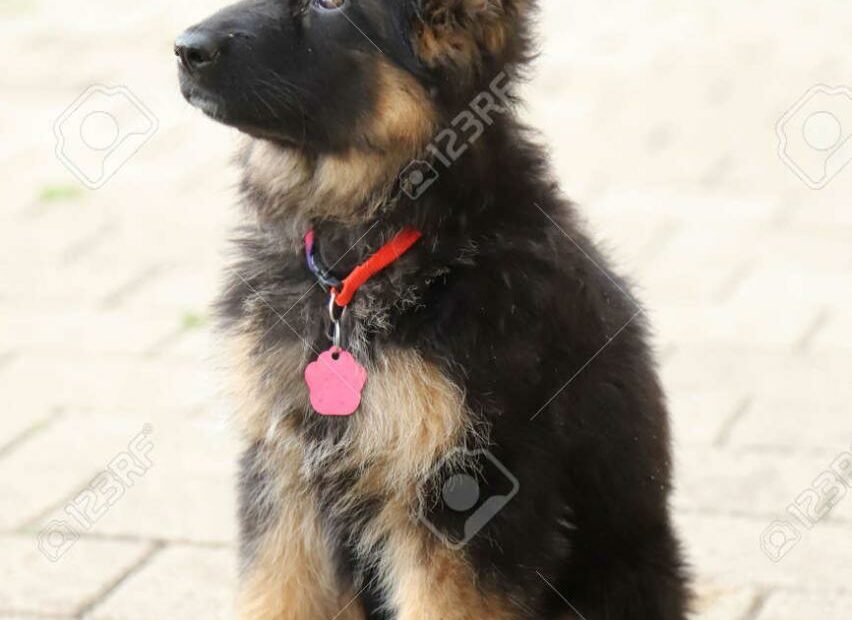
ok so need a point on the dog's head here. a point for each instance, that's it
(329, 76)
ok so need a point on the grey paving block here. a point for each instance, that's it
(86, 332)
(732, 324)
(729, 551)
(56, 464)
(837, 331)
(714, 601)
(38, 383)
(810, 420)
(186, 495)
(701, 415)
(764, 484)
(31, 583)
(179, 583)
(791, 605)
(720, 251)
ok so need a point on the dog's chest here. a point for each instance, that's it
(410, 415)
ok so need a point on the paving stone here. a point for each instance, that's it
(837, 331)
(38, 383)
(55, 464)
(179, 583)
(701, 415)
(31, 583)
(51, 231)
(734, 324)
(700, 262)
(823, 207)
(180, 292)
(756, 370)
(75, 285)
(85, 332)
(197, 340)
(720, 480)
(815, 420)
(19, 426)
(824, 285)
(785, 605)
(611, 61)
(723, 601)
(728, 550)
(7, 616)
(178, 505)
(806, 250)
(691, 368)
(630, 240)
(690, 208)
(186, 495)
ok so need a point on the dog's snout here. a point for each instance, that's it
(198, 50)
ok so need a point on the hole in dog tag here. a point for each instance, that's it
(335, 381)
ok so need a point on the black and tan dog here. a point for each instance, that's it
(510, 454)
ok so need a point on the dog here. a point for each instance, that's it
(505, 452)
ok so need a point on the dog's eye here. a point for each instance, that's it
(329, 5)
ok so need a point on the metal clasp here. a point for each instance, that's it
(336, 314)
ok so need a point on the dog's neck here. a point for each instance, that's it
(285, 183)
(357, 194)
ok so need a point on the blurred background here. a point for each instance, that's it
(664, 119)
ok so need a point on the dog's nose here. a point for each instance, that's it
(198, 50)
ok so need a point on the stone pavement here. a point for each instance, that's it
(661, 116)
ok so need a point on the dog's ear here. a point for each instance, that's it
(461, 33)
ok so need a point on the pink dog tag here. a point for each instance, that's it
(335, 382)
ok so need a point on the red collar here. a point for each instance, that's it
(384, 256)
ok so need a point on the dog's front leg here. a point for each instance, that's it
(430, 581)
(288, 567)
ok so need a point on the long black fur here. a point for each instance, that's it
(509, 297)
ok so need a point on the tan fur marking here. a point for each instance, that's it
(346, 185)
(456, 31)
(403, 119)
(293, 575)
(411, 416)
(494, 37)
(349, 186)
(432, 581)
(264, 387)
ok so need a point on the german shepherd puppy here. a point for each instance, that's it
(510, 455)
